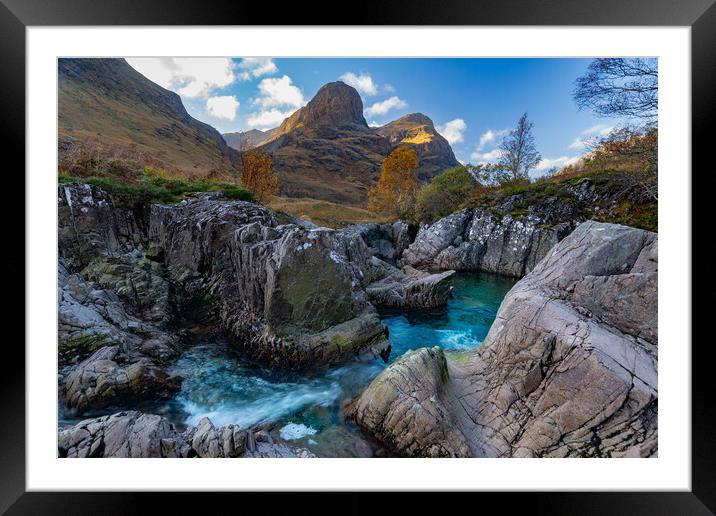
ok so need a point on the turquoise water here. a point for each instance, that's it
(309, 408)
(462, 324)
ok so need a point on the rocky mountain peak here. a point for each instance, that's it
(336, 105)
(415, 118)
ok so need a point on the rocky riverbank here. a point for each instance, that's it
(138, 283)
(569, 368)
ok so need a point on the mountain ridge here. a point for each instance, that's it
(106, 103)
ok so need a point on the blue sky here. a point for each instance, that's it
(473, 102)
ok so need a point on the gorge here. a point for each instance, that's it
(281, 333)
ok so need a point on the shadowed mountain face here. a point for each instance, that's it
(243, 140)
(418, 131)
(326, 150)
(107, 104)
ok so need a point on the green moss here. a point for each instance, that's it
(75, 350)
(342, 342)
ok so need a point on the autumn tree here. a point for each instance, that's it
(257, 174)
(395, 191)
(518, 151)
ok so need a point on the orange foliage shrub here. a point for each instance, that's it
(397, 187)
(257, 174)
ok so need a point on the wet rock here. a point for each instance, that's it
(111, 376)
(287, 295)
(568, 369)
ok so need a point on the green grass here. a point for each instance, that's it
(153, 188)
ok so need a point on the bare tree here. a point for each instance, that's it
(518, 151)
(621, 87)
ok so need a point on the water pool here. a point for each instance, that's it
(308, 408)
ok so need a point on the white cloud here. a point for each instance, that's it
(490, 137)
(452, 130)
(389, 88)
(600, 129)
(278, 99)
(486, 157)
(254, 67)
(224, 106)
(381, 108)
(188, 76)
(548, 163)
(373, 123)
(268, 118)
(589, 136)
(279, 91)
(363, 82)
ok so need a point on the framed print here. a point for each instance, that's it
(417, 252)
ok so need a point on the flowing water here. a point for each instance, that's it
(307, 408)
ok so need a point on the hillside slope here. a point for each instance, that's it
(325, 150)
(418, 131)
(242, 140)
(106, 104)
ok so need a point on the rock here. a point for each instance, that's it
(124, 434)
(137, 281)
(92, 317)
(431, 240)
(210, 442)
(91, 224)
(138, 435)
(111, 376)
(418, 290)
(287, 295)
(279, 451)
(480, 240)
(404, 408)
(568, 369)
(134, 434)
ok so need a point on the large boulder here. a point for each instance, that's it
(287, 295)
(569, 367)
(404, 408)
(111, 377)
(411, 289)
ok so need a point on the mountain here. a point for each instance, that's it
(418, 131)
(326, 150)
(108, 105)
(247, 139)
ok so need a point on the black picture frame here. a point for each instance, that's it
(700, 15)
